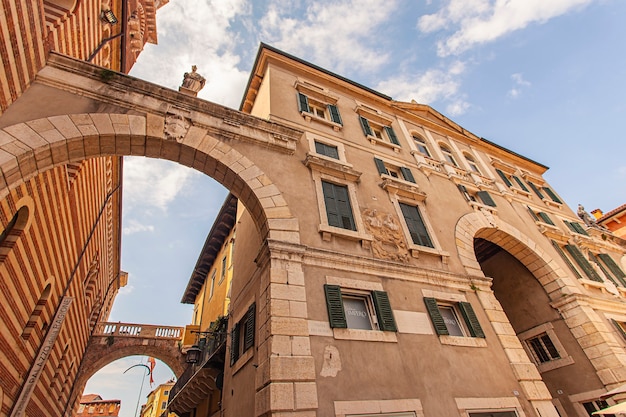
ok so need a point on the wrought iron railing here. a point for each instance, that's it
(209, 347)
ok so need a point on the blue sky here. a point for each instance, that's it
(546, 79)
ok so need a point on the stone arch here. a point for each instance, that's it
(55, 11)
(511, 239)
(33, 147)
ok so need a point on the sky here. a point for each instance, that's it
(546, 79)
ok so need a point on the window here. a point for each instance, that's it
(510, 179)
(420, 143)
(584, 264)
(338, 208)
(446, 318)
(223, 268)
(166, 393)
(398, 172)
(540, 216)
(212, 284)
(416, 226)
(480, 197)
(163, 405)
(472, 163)
(13, 230)
(613, 268)
(447, 155)
(620, 326)
(353, 309)
(242, 335)
(575, 227)
(326, 150)
(320, 110)
(596, 405)
(378, 132)
(542, 348)
(540, 190)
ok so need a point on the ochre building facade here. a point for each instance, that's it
(437, 273)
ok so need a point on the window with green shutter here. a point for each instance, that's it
(583, 263)
(319, 109)
(446, 318)
(552, 195)
(563, 256)
(504, 178)
(303, 103)
(354, 309)
(326, 150)
(402, 173)
(536, 190)
(520, 183)
(613, 267)
(377, 131)
(576, 227)
(415, 224)
(485, 197)
(545, 218)
(242, 335)
(338, 208)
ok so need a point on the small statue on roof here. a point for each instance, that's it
(588, 219)
(192, 81)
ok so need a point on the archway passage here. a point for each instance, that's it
(540, 328)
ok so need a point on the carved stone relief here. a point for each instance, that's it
(388, 241)
(176, 125)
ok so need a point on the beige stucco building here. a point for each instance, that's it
(437, 273)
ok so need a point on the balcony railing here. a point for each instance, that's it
(212, 355)
(138, 330)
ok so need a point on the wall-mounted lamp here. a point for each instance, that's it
(107, 16)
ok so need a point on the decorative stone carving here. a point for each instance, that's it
(388, 241)
(588, 219)
(192, 82)
(176, 126)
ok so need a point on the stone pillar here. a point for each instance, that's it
(595, 338)
(533, 387)
(285, 379)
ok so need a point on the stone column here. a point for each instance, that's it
(533, 387)
(285, 379)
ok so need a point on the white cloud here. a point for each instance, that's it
(135, 226)
(200, 35)
(520, 82)
(335, 35)
(429, 87)
(153, 183)
(480, 21)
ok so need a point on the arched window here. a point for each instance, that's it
(34, 317)
(421, 145)
(472, 163)
(12, 232)
(447, 154)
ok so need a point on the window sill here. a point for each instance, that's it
(463, 341)
(375, 141)
(329, 231)
(552, 232)
(365, 335)
(479, 206)
(417, 249)
(428, 165)
(311, 117)
(330, 166)
(555, 364)
(520, 192)
(551, 203)
(401, 187)
(242, 360)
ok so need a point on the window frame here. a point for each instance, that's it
(421, 145)
(448, 155)
(242, 338)
(471, 162)
(380, 133)
(387, 170)
(547, 329)
(310, 95)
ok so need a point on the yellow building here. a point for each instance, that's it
(156, 402)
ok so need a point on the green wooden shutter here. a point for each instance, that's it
(504, 178)
(367, 130)
(334, 304)
(584, 264)
(579, 229)
(520, 183)
(532, 214)
(416, 226)
(603, 269)
(392, 135)
(248, 340)
(619, 328)
(380, 165)
(407, 174)
(536, 190)
(615, 269)
(234, 344)
(566, 259)
(485, 197)
(338, 209)
(303, 103)
(552, 195)
(545, 218)
(463, 191)
(334, 114)
(435, 316)
(384, 313)
(471, 320)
